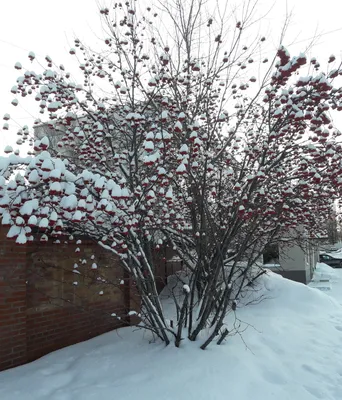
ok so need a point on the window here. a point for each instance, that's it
(271, 254)
(325, 257)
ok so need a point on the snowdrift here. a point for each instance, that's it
(291, 349)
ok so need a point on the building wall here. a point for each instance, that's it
(12, 304)
(297, 263)
(42, 308)
(292, 257)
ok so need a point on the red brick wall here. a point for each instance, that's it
(12, 304)
(166, 263)
(53, 329)
(41, 310)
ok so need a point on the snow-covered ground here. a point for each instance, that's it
(328, 280)
(291, 350)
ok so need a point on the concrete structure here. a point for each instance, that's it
(295, 262)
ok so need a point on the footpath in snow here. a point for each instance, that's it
(292, 349)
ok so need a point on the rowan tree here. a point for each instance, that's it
(171, 140)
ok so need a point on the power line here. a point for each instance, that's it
(15, 45)
(317, 36)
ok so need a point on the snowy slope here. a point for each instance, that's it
(293, 350)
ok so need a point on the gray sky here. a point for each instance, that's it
(48, 27)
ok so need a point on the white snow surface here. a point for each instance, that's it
(292, 349)
(329, 280)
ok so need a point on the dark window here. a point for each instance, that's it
(271, 254)
(326, 257)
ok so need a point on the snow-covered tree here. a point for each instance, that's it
(172, 141)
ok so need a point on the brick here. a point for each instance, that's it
(19, 349)
(6, 354)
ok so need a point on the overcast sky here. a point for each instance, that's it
(48, 27)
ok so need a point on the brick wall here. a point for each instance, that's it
(45, 306)
(56, 328)
(12, 304)
(166, 263)
(52, 297)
